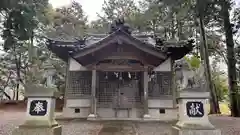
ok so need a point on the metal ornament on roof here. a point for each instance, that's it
(159, 44)
(159, 41)
(120, 24)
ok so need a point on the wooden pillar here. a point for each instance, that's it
(66, 82)
(145, 88)
(92, 114)
(173, 84)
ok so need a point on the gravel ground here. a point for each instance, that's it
(10, 120)
(228, 125)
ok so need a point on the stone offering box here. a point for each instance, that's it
(40, 119)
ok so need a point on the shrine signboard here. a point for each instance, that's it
(38, 108)
(195, 109)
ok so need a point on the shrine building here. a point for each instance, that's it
(120, 75)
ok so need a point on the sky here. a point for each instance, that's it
(90, 7)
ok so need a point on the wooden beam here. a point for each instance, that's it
(142, 59)
(66, 82)
(128, 55)
(109, 67)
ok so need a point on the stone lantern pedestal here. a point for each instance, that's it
(40, 118)
(193, 115)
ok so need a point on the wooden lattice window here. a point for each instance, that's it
(160, 84)
(79, 83)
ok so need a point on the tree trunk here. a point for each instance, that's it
(6, 84)
(233, 91)
(18, 68)
(5, 94)
(14, 94)
(17, 91)
(165, 32)
(180, 30)
(30, 55)
(214, 106)
(199, 46)
(173, 31)
(18, 74)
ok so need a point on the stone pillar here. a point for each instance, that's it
(193, 115)
(40, 118)
(145, 87)
(92, 115)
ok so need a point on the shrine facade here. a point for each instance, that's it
(120, 75)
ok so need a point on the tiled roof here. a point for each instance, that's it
(92, 39)
(64, 44)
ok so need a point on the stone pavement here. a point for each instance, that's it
(117, 128)
(10, 120)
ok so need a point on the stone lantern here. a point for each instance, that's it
(40, 119)
(49, 72)
(193, 115)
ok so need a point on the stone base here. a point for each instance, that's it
(92, 117)
(39, 123)
(206, 125)
(146, 116)
(70, 112)
(185, 131)
(41, 130)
